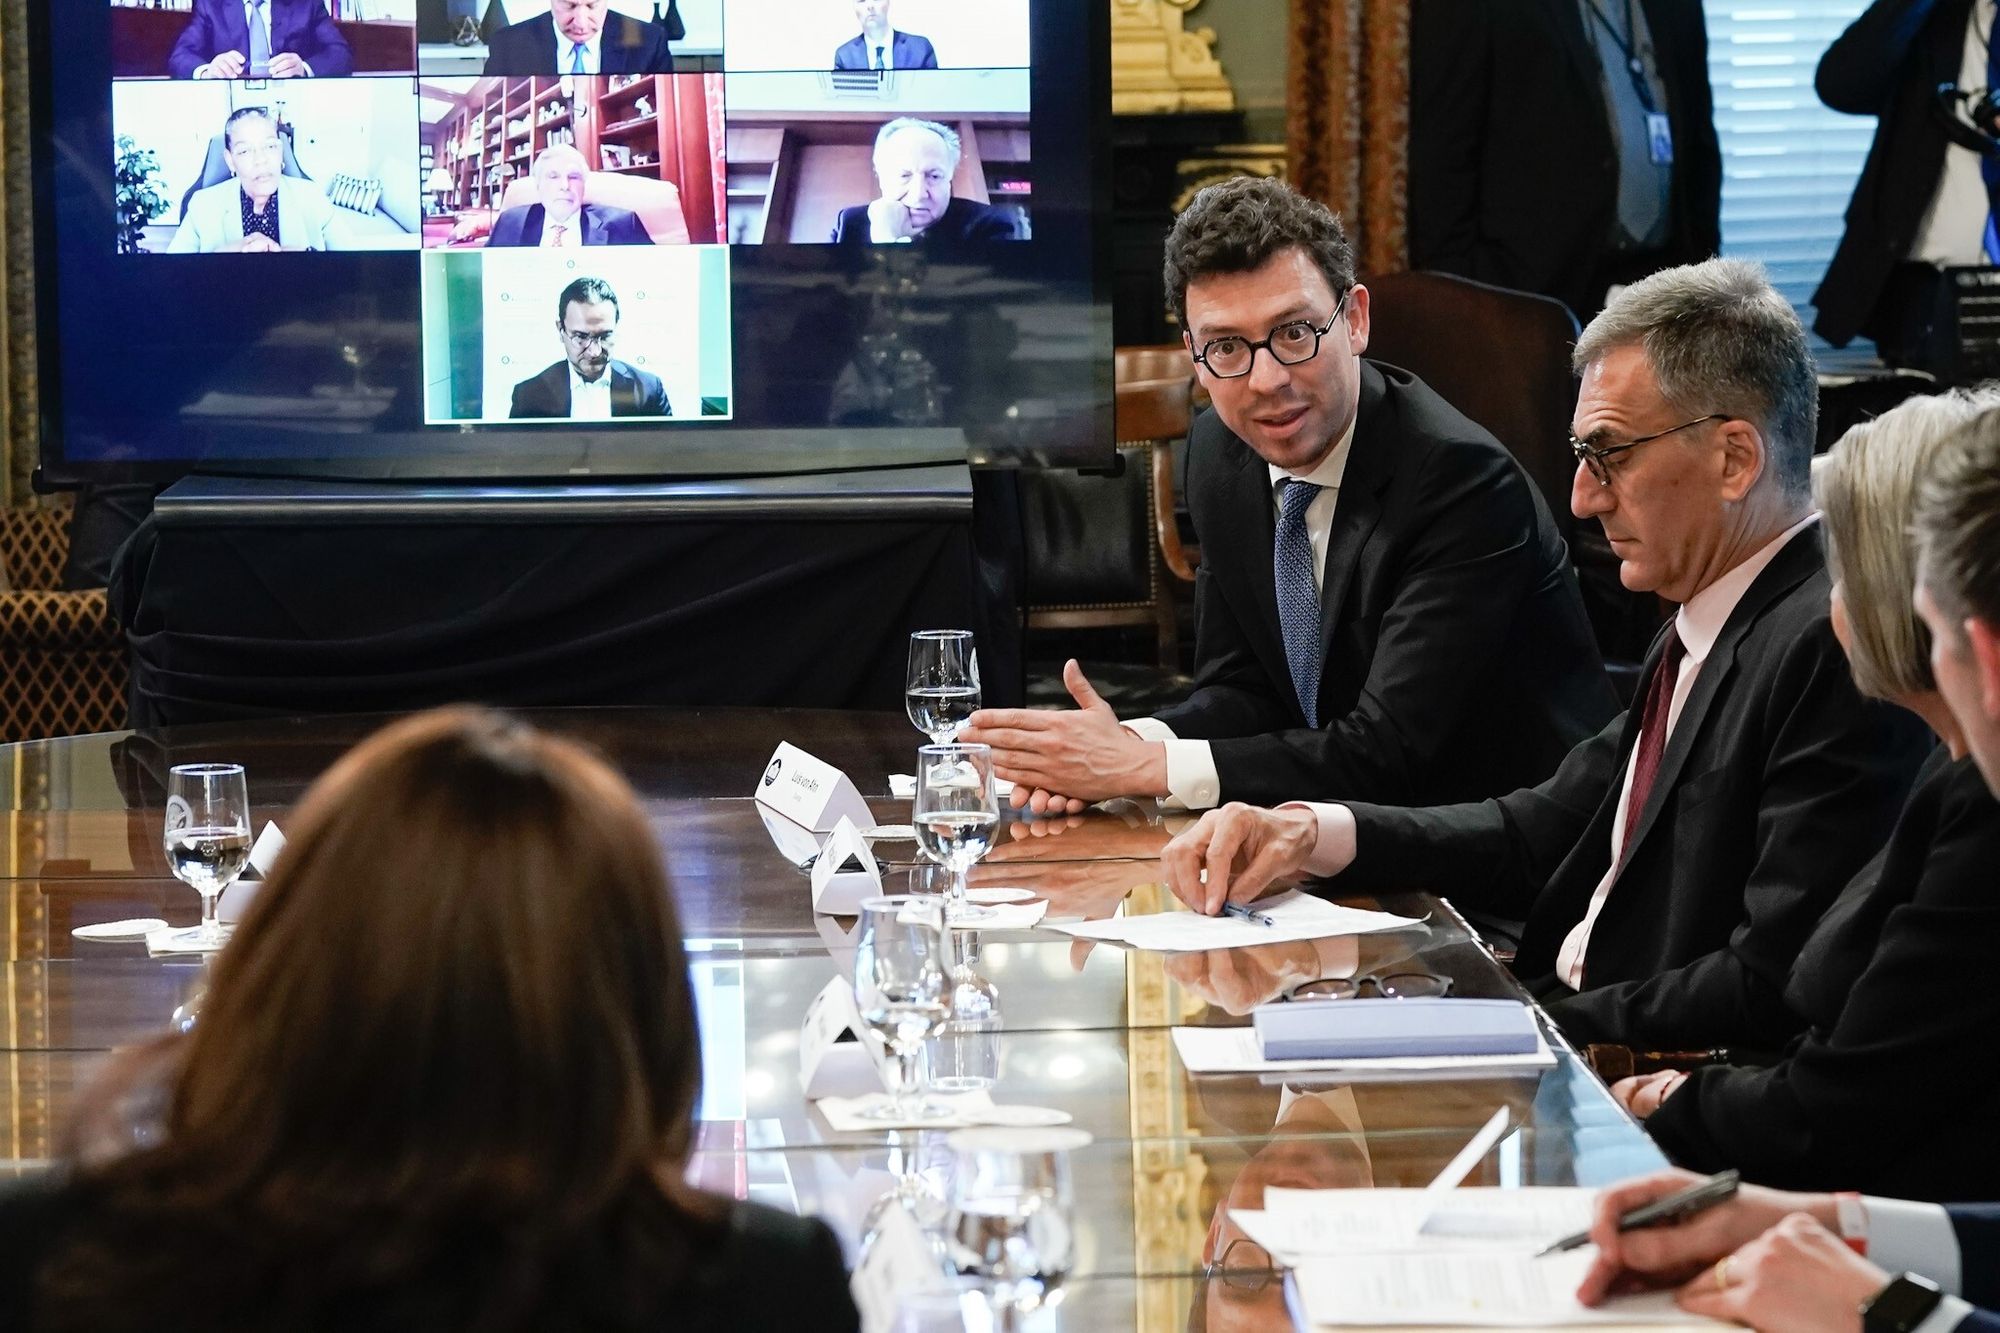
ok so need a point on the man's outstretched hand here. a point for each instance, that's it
(1060, 760)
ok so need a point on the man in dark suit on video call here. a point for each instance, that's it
(563, 218)
(260, 39)
(579, 37)
(880, 46)
(589, 384)
(915, 161)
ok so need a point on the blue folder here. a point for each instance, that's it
(1383, 1029)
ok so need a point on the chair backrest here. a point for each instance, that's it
(1151, 361)
(34, 543)
(1499, 356)
(658, 203)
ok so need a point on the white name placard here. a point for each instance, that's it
(900, 1262)
(845, 873)
(838, 1055)
(236, 898)
(809, 791)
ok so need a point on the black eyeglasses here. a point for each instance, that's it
(1390, 986)
(1231, 357)
(1595, 458)
(590, 342)
(1243, 1265)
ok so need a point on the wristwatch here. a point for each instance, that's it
(1900, 1306)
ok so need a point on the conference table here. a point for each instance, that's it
(1084, 1029)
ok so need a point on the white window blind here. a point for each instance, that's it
(1788, 163)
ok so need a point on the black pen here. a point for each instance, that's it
(1242, 913)
(1676, 1207)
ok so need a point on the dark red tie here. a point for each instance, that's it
(1653, 731)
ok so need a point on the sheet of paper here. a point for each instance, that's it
(1468, 1289)
(1235, 1051)
(1294, 1224)
(1295, 916)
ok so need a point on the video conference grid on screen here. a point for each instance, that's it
(568, 203)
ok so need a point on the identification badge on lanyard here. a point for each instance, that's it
(1660, 138)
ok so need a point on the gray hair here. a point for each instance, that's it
(901, 123)
(1866, 488)
(560, 150)
(1719, 338)
(1958, 523)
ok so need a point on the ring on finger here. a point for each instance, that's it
(1722, 1267)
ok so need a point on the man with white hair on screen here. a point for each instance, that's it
(564, 216)
(915, 161)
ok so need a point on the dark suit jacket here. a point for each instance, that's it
(1977, 1226)
(1778, 783)
(963, 222)
(1888, 64)
(912, 52)
(602, 225)
(302, 27)
(628, 46)
(1913, 1029)
(1457, 659)
(1513, 168)
(634, 393)
(724, 1291)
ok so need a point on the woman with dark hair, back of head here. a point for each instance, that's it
(445, 1079)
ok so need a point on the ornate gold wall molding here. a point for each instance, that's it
(19, 402)
(1159, 65)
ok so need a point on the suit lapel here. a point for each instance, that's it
(588, 226)
(531, 227)
(624, 391)
(1576, 43)
(1794, 563)
(1357, 509)
(1249, 504)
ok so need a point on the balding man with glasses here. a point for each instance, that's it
(1385, 609)
(1671, 869)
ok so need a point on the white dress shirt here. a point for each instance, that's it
(1954, 227)
(589, 401)
(1700, 623)
(1335, 847)
(560, 235)
(1906, 1237)
(201, 70)
(593, 54)
(1192, 782)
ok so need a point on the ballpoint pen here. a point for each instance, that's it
(1675, 1207)
(1242, 913)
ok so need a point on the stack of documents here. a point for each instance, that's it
(1293, 916)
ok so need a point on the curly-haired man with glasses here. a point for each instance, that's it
(1671, 869)
(1386, 610)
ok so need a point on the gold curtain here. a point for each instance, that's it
(1347, 125)
(18, 408)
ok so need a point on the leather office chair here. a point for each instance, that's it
(1503, 358)
(63, 669)
(658, 203)
(1103, 551)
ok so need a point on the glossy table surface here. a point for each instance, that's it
(1085, 1029)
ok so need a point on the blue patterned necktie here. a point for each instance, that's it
(260, 41)
(1298, 599)
(1989, 161)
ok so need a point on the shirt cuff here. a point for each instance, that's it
(1906, 1237)
(1334, 850)
(1950, 1312)
(200, 70)
(1192, 782)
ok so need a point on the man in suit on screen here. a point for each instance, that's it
(880, 46)
(259, 39)
(564, 217)
(1672, 868)
(260, 210)
(580, 37)
(915, 161)
(589, 384)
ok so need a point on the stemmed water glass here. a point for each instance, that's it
(956, 813)
(902, 984)
(1009, 1217)
(207, 840)
(941, 691)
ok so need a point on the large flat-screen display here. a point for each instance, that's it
(562, 238)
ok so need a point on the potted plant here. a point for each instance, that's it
(139, 196)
